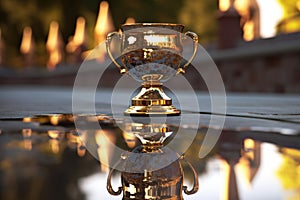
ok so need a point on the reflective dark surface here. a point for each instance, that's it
(44, 158)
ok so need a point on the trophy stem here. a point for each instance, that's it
(152, 100)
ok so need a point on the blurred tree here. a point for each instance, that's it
(197, 16)
(289, 171)
(200, 16)
(291, 16)
(17, 14)
(146, 11)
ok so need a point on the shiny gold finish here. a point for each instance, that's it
(151, 53)
(152, 101)
(152, 110)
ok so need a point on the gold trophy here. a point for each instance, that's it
(151, 53)
(152, 170)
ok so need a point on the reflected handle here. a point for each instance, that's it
(196, 182)
(194, 36)
(108, 183)
(109, 38)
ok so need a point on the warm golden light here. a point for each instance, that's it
(79, 36)
(243, 7)
(26, 132)
(289, 171)
(1, 48)
(130, 139)
(54, 145)
(226, 172)
(249, 146)
(130, 20)
(248, 31)
(54, 120)
(79, 31)
(105, 144)
(78, 141)
(224, 5)
(104, 23)
(271, 13)
(27, 138)
(26, 44)
(81, 150)
(54, 134)
(27, 119)
(52, 41)
(250, 160)
(53, 46)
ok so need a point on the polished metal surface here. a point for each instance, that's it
(151, 53)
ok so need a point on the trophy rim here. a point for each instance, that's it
(173, 26)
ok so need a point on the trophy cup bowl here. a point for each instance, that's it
(151, 53)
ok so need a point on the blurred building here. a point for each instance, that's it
(246, 62)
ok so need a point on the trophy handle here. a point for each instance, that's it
(109, 38)
(194, 36)
(108, 183)
(196, 182)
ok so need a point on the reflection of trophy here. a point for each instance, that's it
(152, 171)
(151, 53)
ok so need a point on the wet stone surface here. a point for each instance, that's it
(43, 157)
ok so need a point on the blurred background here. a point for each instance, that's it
(255, 43)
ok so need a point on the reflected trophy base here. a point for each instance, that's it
(152, 101)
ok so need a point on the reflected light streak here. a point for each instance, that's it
(55, 136)
(81, 149)
(54, 144)
(26, 133)
(226, 171)
(130, 139)
(105, 142)
(78, 141)
(54, 120)
(249, 146)
(250, 161)
(27, 138)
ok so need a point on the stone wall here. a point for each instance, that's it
(265, 65)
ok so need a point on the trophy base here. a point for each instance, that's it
(152, 110)
(152, 101)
